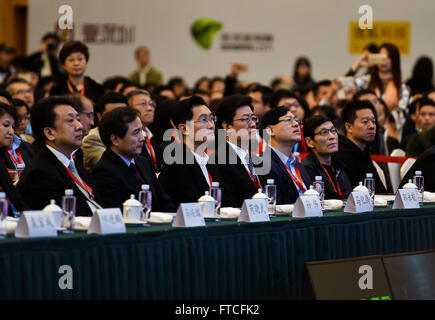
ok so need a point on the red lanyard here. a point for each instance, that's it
(209, 178)
(83, 185)
(150, 148)
(295, 179)
(15, 160)
(70, 88)
(336, 189)
(254, 180)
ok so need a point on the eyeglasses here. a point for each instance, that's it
(145, 103)
(289, 105)
(206, 120)
(23, 91)
(90, 115)
(252, 117)
(290, 121)
(325, 132)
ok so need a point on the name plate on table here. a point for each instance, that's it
(107, 221)
(307, 206)
(34, 224)
(189, 215)
(254, 210)
(406, 199)
(358, 201)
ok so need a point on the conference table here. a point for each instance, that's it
(223, 260)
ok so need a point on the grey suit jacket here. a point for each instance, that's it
(93, 149)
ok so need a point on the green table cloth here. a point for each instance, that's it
(224, 260)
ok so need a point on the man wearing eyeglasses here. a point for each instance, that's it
(141, 101)
(93, 147)
(290, 177)
(359, 118)
(187, 179)
(233, 157)
(321, 137)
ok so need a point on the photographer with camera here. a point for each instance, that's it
(45, 62)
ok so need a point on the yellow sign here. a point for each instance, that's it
(396, 32)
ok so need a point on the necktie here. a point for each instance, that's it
(300, 191)
(73, 169)
(134, 172)
(250, 165)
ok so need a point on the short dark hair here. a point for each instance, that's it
(424, 102)
(349, 112)
(266, 93)
(271, 117)
(72, 47)
(322, 83)
(8, 109)
(20, 103)
(16, 80)
(6, 94)
(363, 92)
(116, 122)
(110, 97)
(311, 125)
(111, 83)
(183, 110)
(77, 99)
(50, 35)
(43, 115)
(228, 106)
(136, 51)
(278, 95)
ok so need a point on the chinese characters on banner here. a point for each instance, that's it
(396, 32)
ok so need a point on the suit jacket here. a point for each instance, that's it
(93, 90)
(45, 178)
(92, 148)
(286, 191)
(425, 163)
(36, 63)
(185, 182)
(118, 182)
(153, 76)
(314, 168)
(10, 190)
(157, 152)
(27, 153)
(235, 182)
(357, 163)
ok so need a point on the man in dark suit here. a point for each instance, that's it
(121, 170)
(239, 179)
(425, 163)
(58, 131)
(290, 177)
(190, 174)
(141, 101)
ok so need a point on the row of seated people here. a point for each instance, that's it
(191, 162)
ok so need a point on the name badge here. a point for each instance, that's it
(35, 224)
(189, 215)
(307, 206)
(406, 199)
(254, 210)
(358, 201)
(107, 221)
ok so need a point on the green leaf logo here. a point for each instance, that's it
(204, 30)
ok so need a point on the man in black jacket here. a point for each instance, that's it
(290, 177)
(426, 164)
(360, 122)
(190, 175)
(239, 179)
(121, 170)
(321, 137)
(58, 131)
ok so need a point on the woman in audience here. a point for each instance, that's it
(8, 118)
(321, 137)
(74, 57)
(422, 76)
(386, 81)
